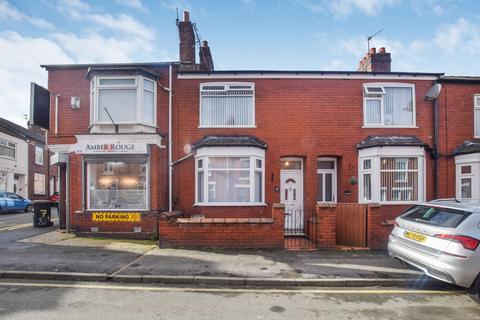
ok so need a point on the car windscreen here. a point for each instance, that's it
(436, 216)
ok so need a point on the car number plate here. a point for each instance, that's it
(415, 236)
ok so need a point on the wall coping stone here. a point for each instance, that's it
(224, 220)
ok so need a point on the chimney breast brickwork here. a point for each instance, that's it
(375, 61)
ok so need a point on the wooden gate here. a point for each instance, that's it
(352, 224)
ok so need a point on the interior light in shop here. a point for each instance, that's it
(287, 163)
(129, 181)
(105, 180)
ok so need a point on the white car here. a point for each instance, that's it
(441, 238)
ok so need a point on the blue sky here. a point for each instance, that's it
(422, 35)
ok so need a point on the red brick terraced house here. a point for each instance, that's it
(199, 157)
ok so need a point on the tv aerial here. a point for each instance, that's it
(369, 38)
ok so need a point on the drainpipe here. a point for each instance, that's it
(170, 141)
(436, 123)
(67, 196)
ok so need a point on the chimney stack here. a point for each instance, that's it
(376, 61)
(206, 60)
(187, 40)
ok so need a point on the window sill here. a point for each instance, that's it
(383, 127)
(392, 203)
(230, 204)
(220, 127)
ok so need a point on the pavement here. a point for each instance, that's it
(45, 253)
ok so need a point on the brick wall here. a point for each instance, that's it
(306, 118)
(230, 232)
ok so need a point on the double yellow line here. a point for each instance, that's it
(19, 226)
(222, 290)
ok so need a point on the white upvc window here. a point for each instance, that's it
(38, 183)
(476, 103)
(389, 104)
(128, 99)
(39, 155)
(228, 176)
(392, 175)
(224, 105)
(8, 149)
(468, 176)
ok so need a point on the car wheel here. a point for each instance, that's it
(474, 290)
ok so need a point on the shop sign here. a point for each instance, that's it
(110, 148)
(116, 217)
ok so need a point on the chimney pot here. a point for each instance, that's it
(186, 16)
(372, 50)
(381, 50)
(204, 43)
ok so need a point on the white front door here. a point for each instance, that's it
(291, 194)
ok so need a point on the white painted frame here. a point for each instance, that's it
(147, 186)
(375, 154)
(39, 148)
(226, 86)
(382, 104)
(95, 87)
(35, 180)
(476, 114)
(472, 160)
(334, 178)
(6, 144)
(245, 152)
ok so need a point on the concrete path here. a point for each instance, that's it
(49, 254)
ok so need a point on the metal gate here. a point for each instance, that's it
(300, 229)
(352, 224)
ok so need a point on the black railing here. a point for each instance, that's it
(300, 228)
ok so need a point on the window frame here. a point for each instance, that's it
(375, 154)
(472, 160)
(37, 148)
(35, 174)
(6, 143)
(119, 159)
(226, 85)
(252, 153)
(333, 172)
(382, 103)
(476, 113)
(95, 88)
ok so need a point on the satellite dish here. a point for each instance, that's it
(433, 92)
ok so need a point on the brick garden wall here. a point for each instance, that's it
(230, 232)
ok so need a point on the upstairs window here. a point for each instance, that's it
(476, 103)
(227, 105)
(389, 105)
(38, 155)
(129, 100)
(8, 149)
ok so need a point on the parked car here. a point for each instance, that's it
(441, 238)
(13, 202)
(54, 199)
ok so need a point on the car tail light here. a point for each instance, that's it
(466, 242)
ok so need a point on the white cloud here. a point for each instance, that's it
(136, 4)
(20, 60)
(336, 64)
(345, 8)
(461, 36)
(183, 5)
(7, 11)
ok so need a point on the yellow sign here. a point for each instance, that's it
(116, 217)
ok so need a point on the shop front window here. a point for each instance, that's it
(117, 185)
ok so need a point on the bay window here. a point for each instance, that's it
(389, 104)
(225, 177)
(117, 184)
(391, 175)
(127, 99)
(227, 105)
